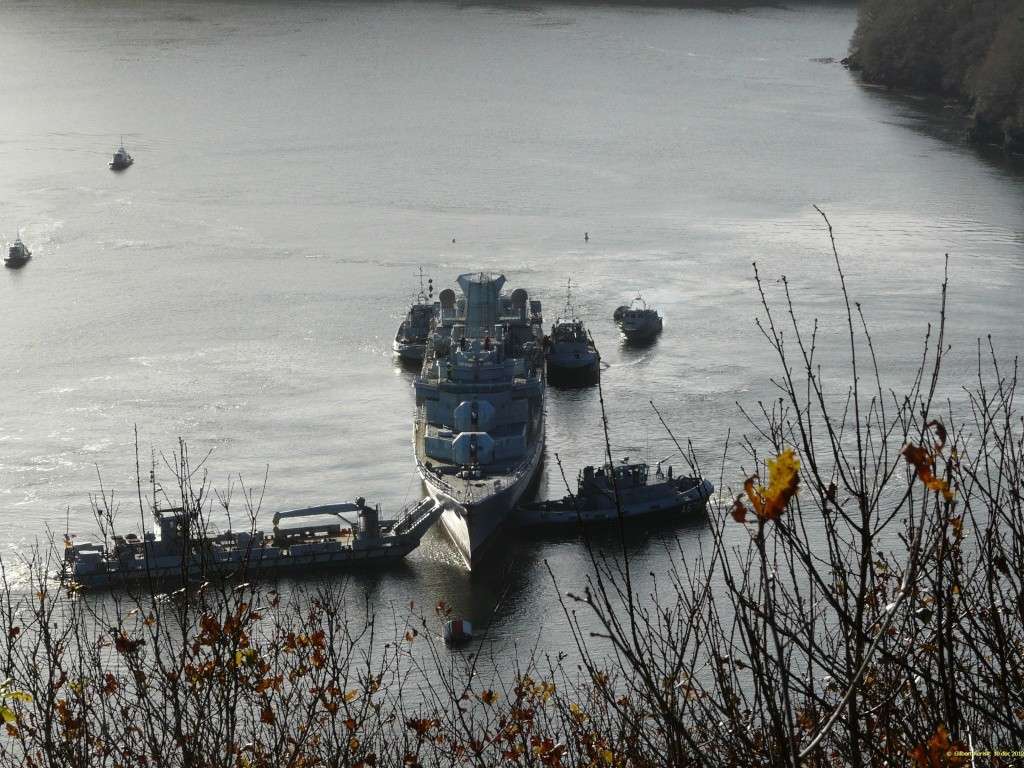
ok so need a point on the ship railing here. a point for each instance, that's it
(413, 514)
(470, 492)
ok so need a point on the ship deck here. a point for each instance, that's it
(468, 490)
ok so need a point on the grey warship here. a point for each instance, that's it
(479, 430)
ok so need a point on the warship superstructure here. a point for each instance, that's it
(479, 431)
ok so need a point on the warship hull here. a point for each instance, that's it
(473, 525)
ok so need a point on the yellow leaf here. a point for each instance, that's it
(351, 695)
(7, 715)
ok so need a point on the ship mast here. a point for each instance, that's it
(568, 313)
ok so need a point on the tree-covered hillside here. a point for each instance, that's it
(972, 49)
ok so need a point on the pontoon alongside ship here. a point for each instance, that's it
(316, 537)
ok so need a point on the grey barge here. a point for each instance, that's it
(302, 539)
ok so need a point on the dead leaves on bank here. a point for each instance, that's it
(939, 751)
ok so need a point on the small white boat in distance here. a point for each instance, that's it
(121, 158)
(638, 322)
(457, 632)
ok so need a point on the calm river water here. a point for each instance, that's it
(298, 162)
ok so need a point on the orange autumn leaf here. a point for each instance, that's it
(769, 502)
(923, 462)
(739, 511)
(488, 696)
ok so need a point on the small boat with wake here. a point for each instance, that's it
(411, 340)
(572, 359)
(638, 495)
(18, 255)
(638, 322)
(121, 158)
(332, 535)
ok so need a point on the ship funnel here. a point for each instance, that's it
(482, 291)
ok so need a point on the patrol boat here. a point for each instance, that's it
(638, 322)
(571, 356)
(479, 429)
(18, 255)
(411, 340)
(638, 495)
(185, 550)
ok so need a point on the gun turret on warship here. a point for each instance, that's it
(479, 432)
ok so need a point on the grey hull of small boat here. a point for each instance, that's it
(566, 512)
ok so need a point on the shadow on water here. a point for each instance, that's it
(409, 369)
(946, 120)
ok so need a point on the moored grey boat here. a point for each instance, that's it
(411, 339)
(317, 537)
(572, 358)
(638, 495)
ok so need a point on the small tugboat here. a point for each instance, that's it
(18, 255)
(121, 158)
(318, 537)
(411, 340)
(638, 322)
(572, 358)
(594, 501)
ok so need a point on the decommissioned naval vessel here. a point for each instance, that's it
(479, 432)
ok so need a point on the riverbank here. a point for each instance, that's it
(962, 50)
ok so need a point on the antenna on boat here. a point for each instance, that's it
(427, 294)
(152, 481)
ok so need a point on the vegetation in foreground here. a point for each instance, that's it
(861, 603)
(966, 49)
